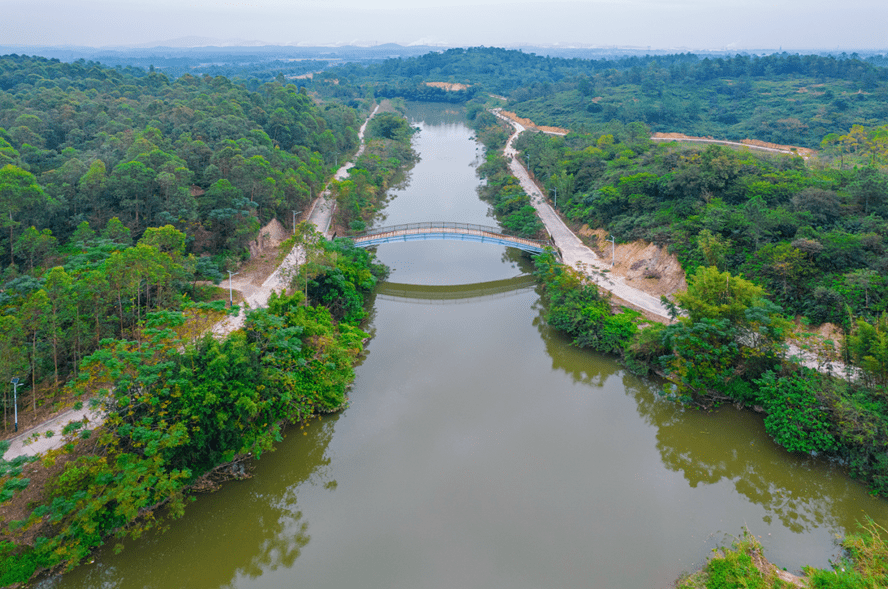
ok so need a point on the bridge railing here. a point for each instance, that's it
(432, 225)
(426, 225)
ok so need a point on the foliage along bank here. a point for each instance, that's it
(783, 97)
(862, 565)
(728, 341)
(179, 402)
(727, 345)
(94, 159)
(501, 189)
(813, 235)
(100, 284)
(387, 152)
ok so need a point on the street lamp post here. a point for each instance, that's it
(230, 296)
(613, 249)
(15, 386)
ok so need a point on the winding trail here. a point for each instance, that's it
(576, 255)
(803, 154)
(573, 252)
(46, 436)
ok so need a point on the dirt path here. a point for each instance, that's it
(750, 143)
(257, 288)
(254, 285)
(577, 255)
(573, 252)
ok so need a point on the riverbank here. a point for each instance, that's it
(285, 363)
(254, 282)
(579, 311)
(465, 412)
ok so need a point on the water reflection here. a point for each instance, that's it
(582, 365)
(454, 293)
(481, 448)
(731, 446)
(245, 531)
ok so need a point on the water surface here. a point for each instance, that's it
(480, 449)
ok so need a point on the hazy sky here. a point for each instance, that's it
(700, 24)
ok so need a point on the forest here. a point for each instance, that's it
(125, 197)
(771, 245)
(125, 193)
(121, 190)
(782, 98)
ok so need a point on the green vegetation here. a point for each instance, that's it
(100, 285)
(577, 308)
(79, 142)
(812, 236)
(121, 190)
(11, 473)
(782, 98)
(728, 345)
(386, 153)
(864, 565)
(179, 403)
(510, 203)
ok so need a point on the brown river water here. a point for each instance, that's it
(481, 449)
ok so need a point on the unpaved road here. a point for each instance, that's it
(576, 255)
(573, 252)
(36, 441)
(804, 155)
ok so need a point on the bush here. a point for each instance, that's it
(797, 420)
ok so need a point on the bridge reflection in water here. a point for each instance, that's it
(454, 294)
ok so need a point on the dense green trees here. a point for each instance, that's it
(510, 203)
(387, 152)
(186, 168)
(99, 143)
(812, 236)
(178, 402)
(783, 98)
(577, 308)
(101, 286)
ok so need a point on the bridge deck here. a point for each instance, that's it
(446, 230)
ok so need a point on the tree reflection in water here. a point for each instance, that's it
(801, 492)
(233, 546)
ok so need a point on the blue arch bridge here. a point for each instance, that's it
(449, 231)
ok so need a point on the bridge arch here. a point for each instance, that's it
(448, 231)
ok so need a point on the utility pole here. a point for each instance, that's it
(15, 386)
(555, 190)
(294, 222)
(230, 296)
(613, 249)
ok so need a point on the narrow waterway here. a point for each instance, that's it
(480, 449)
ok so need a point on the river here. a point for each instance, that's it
(480, 449)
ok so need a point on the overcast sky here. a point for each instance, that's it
(660, 24)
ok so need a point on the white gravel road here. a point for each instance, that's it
(573, 252)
